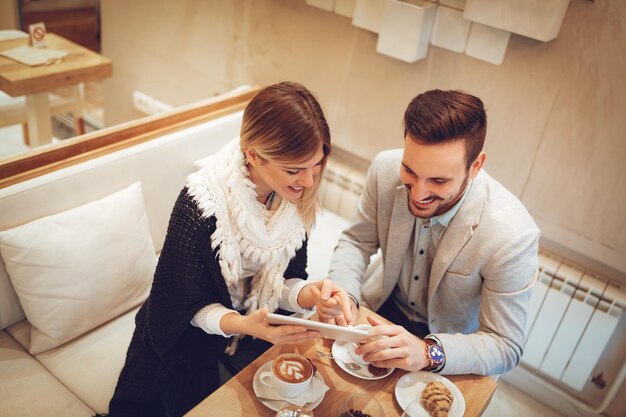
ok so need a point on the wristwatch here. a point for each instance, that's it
(434, 354)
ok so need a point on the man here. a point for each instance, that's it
(459, 251)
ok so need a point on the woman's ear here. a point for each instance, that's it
(252, 157)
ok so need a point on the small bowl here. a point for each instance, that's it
(364, 403)
(352, 346)
(355, 357)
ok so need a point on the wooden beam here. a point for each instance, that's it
(93, 145)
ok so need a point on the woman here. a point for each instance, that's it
(235, 250)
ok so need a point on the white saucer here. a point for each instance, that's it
(262, 390)
(411, 385)
(340, 351)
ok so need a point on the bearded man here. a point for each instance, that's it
(459, 251)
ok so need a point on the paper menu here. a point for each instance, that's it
(34, 56)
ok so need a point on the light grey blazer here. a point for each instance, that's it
(481, 276)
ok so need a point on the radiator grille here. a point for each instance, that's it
(341, 188)
(573, 317)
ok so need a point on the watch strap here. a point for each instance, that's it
(434, 354)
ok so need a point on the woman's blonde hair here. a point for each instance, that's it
(284, 123)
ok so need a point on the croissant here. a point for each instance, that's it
(438, 399)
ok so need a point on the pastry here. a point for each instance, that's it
(438, 399)
(376, 371)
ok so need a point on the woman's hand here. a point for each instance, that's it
(400, 349)
(332, 302)
(255, 324)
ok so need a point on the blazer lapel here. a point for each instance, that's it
(401, 227)
(457, 234)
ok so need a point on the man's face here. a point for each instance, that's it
(435, 176)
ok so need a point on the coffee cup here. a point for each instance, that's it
(290, 376)
(352, 346)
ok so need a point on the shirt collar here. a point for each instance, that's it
(445, 218)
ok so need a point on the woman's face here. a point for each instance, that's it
(286, 179)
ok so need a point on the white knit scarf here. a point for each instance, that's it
(245, 228)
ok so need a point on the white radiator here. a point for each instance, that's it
(576, 319)
(341, 188)
(574, 323)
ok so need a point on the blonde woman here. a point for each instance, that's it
(235, 250)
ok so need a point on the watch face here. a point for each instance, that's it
(436, 354)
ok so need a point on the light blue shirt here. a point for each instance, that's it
(411, 292)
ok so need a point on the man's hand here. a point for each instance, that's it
(400, 349)
(333, 303)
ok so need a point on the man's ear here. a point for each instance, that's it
(477, 164)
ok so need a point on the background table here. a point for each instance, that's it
(236, 398)
(81, 65)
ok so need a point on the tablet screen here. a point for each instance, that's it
(329, 331)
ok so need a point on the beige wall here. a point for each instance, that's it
(556, 109)
(8, 15)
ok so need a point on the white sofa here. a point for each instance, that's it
(78, 377)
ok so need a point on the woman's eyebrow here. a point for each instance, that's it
(319, 162)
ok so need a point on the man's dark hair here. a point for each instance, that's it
(438, 116)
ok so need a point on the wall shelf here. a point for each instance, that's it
(405, 29)
(536, 19)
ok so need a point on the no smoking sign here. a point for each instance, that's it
(37, 35)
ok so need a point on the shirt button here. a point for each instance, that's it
(416, 277)
(412, 303)
(421, 251)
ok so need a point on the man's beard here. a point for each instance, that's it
(445, 206)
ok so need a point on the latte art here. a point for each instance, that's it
(292, 368)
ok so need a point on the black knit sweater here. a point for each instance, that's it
(165, 346)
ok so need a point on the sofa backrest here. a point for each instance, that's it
(160, 164)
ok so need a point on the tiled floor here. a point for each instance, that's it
(11, 136)
(12, 144)
(11, 141)
(511, 402)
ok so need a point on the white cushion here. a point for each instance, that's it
(90, 365)
(161, 164)
(27, 389)
(75, 270)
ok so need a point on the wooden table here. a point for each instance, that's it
(236, 398)
(81, 65)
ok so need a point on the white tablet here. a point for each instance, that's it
(329, 331)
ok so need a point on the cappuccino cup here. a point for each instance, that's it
(352, 346)
(290, 376)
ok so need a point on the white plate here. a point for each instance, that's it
(261, 390)
(410, 387)
(340, 351)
